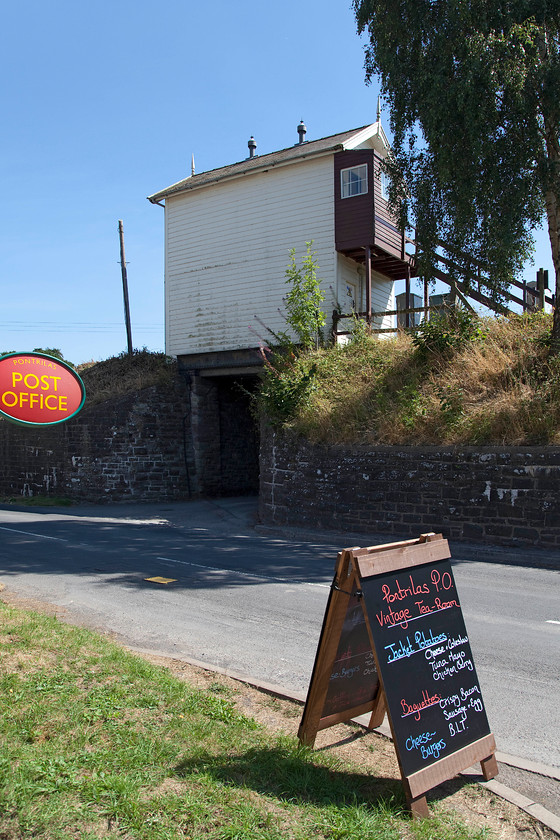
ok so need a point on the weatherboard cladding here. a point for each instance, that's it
(228, 240)
(388, 237)
(382, 293)
(300, 151)
(364, 219)
(354, 216)
(228, 248)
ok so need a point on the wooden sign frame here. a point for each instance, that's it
(345, 583)
(356, 568)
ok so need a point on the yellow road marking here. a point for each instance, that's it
(161, 580)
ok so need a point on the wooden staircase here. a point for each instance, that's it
(467, 286)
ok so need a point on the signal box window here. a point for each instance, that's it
(353, 181)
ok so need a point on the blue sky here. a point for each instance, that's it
(104, 103)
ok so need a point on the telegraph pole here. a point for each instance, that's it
(125, 290)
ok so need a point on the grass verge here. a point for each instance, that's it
(97, 742)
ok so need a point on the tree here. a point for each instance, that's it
(472, 87)
(288, 374)
(303, 302)
(50, 351)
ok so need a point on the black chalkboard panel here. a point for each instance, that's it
(431, 687)
(353, 680)
(344, 683)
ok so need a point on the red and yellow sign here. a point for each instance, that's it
(39, 390)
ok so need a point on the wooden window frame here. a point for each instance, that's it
(363, 181)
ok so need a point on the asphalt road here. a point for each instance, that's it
(254, 603)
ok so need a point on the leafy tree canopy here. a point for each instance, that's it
(50, 351)
(472, 87)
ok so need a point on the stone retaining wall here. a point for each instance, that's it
(130, 448)
(194, 437)
(505, 495)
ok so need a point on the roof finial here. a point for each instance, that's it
(379, 108)
(192, 165)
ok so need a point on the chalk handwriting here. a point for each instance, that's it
(345, 673)
(417, 708)
(416, 742)
(401, 593)
(429, 750)
(422, 641)
(391, 618)
(441, 581)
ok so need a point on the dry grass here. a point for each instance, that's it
(125, 374)
(501, 386)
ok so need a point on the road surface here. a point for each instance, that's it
(254, 604)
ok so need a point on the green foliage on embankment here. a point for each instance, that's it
(460, 379)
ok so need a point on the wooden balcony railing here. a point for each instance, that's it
(469, 283)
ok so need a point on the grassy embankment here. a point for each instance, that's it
(475, 381)
(125, 374)
(97, 742)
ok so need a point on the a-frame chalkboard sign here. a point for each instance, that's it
(344, 683)
(394, 638)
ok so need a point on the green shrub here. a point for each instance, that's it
(448, 332)
(303, 302)
(451, 400)
(286, 385)
(288, 378)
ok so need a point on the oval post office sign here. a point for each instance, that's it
(39, 390)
